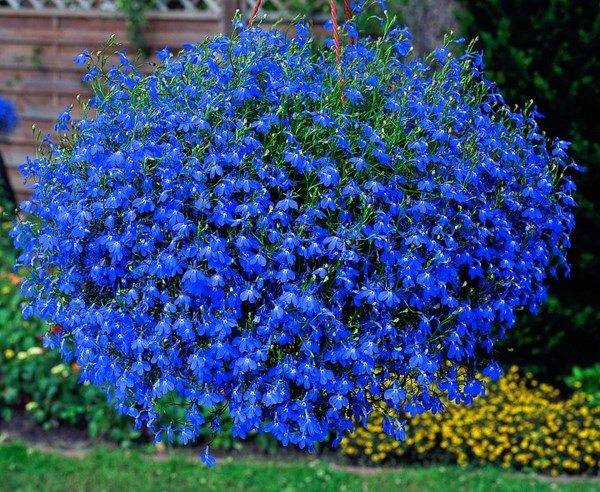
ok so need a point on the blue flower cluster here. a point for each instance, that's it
(256, 228)
(8, 116)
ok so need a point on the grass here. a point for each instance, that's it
(25, 469)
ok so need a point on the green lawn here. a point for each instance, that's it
(118, 470)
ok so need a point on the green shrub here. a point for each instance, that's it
(586, 380)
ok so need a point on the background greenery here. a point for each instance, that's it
(549, 51)
(135, 12)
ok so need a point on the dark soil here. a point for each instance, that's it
(66, 440)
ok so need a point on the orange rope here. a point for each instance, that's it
(347, 10)
(254, 13)
(337, 42)
(334, 15)
(349, 15)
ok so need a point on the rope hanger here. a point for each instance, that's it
(337, 42)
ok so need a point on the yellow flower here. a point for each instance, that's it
(32, 405)
(9, 354)
(519, 424)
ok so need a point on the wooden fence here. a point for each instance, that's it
(39, 39)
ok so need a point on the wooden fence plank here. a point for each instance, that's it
(37, 70)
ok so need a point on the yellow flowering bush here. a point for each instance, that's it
(520, 424)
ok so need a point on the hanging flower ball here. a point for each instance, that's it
(8, 116)
(255, 228)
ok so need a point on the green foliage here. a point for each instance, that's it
(549, 51)
(586, 380)
(7, 256)
(135, 12)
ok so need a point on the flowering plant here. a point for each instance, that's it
(8, 116)
(520, 423)
(256, 227)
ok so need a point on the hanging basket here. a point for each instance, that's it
(292, 234)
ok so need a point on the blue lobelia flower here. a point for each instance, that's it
(8, 116)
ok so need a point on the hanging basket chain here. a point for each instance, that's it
(349, 16)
